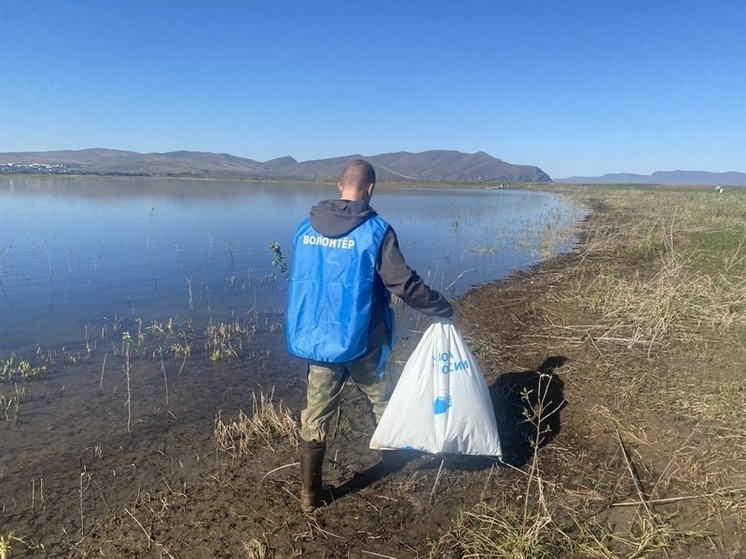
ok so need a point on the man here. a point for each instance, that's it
(347, 263)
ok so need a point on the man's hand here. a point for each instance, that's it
(448, 320)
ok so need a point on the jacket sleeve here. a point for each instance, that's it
(406, 284)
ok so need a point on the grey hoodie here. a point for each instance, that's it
(334, 218)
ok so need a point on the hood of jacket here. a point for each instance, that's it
(335, 218)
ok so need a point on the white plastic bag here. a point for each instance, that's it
(441, 403)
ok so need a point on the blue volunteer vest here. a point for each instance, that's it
(332, 292)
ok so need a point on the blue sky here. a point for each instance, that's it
(575, 87)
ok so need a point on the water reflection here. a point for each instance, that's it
(78, 254)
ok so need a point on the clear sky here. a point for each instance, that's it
(576, 87)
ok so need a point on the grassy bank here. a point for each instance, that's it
(649, 318)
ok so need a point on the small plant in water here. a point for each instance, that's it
(225, 340)
(127, 352)
(278, 262)
(181, 350)
(6, 548)
(17, 368)
(13, 402)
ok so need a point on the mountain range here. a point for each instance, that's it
(402, 166)
(428, 166)
(693, 178)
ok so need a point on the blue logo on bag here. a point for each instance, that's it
(441, 404)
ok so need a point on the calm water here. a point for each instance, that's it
(76, 255)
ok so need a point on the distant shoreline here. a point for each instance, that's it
(382, 184)
(491, 185)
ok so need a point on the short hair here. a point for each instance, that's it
(358, 173)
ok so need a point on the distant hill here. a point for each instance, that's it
(428, 166)
(665, 177)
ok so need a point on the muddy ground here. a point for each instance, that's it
(75, 483)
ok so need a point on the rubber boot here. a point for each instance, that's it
(313, 492)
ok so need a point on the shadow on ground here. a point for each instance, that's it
(527, 408)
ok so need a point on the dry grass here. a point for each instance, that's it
(498, 532)
(651, 312)
(255, 549)
(648, 283)
(269, 424)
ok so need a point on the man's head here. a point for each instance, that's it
(358, 181)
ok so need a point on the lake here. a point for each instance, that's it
(152, 312)
(80, 255)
